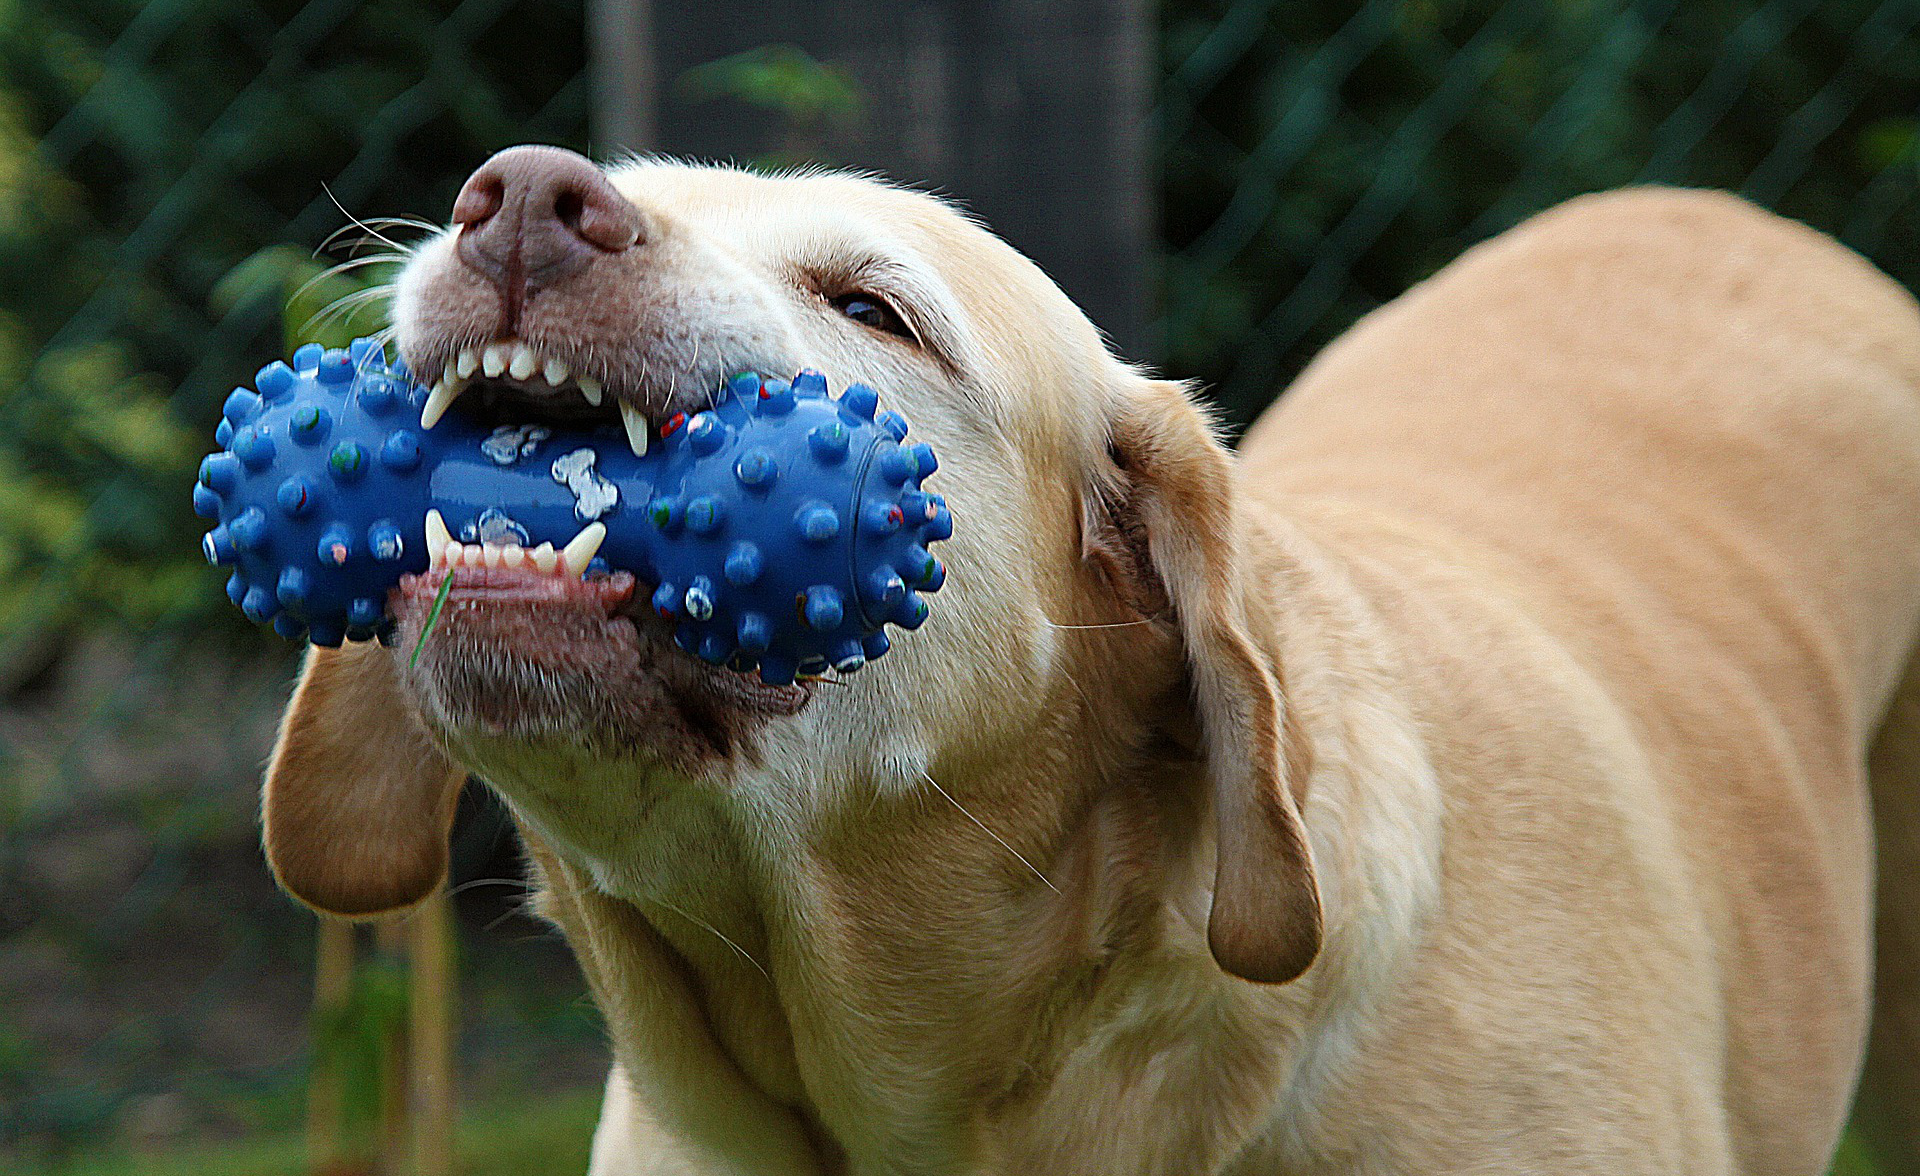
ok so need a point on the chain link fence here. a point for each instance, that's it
(1316, 160)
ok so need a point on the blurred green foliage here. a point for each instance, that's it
(784, 78)
(166, 171)
(811, 98)
(319, 303)
(353, 1040)
(547, 1133)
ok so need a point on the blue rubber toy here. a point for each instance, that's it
(783, 529)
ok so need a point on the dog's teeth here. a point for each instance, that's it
(512, 555)
(493, 361)
(523, 363)
(490, 554)
(450, 556)
(466, 363)
(555, 372)
(443, 394)
(437, 535)
(636, 423)
(474, 555)
(590, 388)
(581, 549)
(543, 557)
(448, 375)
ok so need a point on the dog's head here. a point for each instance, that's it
(1085, 496)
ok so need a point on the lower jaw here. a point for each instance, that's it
(529, 659)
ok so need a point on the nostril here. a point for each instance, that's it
(599, 216)
(479, 199)
(568, 207)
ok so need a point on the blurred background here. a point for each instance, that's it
(1224, 184)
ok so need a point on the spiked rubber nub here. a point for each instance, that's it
(290, 485)
(797, 530)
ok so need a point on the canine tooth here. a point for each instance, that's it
(437, 534)
(466, 363)
(590, 388)
(543, 557)
(523, 363)
(555, 372)
(493, 360)
(581, 549)
(443, 394)
(636, 423)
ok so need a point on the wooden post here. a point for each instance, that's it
(431, 1025)
(414, 1133)
(332, 985)
(1033, 113)
(390, 939)
(621, 59)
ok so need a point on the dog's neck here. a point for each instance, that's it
(912, 970)
(812, 944)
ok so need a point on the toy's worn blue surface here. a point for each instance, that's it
(782, 529)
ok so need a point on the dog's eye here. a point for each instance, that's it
(870, 310)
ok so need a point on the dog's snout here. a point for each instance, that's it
(531, 216)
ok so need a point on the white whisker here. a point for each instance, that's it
(1103, 625)
(716, 931)
(404, 222)
(354, 263)
(1080, 690)
(976, 820)
(354, 244)
(345, 305)
(520, 883)
(378, 353)
(343, 267)
(356, 220)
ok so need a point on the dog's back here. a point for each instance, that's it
(1682, 437)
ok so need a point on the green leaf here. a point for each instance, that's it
(783, 78)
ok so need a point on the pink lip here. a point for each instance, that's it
(521, 586)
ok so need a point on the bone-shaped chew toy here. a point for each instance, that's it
(782, 528)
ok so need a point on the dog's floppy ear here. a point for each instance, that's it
(358, 799)
(1164, 526)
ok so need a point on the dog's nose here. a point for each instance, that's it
(531, 216)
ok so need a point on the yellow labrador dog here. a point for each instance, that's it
(1469, 777)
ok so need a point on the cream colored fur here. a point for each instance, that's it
(1514, 681)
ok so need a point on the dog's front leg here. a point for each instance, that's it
(629, 1141)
